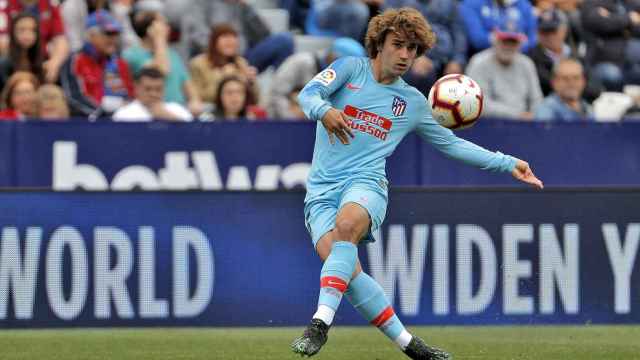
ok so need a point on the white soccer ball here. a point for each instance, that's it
(456, 101)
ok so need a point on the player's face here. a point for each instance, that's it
(397, 54)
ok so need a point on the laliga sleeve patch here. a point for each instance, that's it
(326, 77)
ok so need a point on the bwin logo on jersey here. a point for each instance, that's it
(398, 106)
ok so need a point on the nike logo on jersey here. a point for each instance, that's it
(350, 86)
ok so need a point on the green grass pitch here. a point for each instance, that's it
(345, 343)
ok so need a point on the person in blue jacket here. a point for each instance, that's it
(482, 17)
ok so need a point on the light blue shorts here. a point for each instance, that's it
(320, 212)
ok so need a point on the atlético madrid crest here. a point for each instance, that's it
(398, 106)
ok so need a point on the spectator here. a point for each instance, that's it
(507, 77)
(149, 103)
(633, 112)
(482, 17)
(75, 12)
(298, 12)
(232, 102)
(19, 96)
(348, 18)
(51, 103)
(261, 48)
(449, 56)
(566, 102)
(295, 110)
(450, 52)
(154, 50)
(53, 42)
(571, 9)
(613, 102)
(220, 60)
(552, 33)
(174, 10)
(542, 5)
(24, 49)
(96, 81)
(300, 68)
(613, 37)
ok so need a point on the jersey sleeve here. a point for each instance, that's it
(313, 98)
(459, 149)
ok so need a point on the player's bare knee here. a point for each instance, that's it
(347, 230)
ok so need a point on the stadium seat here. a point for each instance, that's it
(276, 19)
(311, 42)
(263, 4)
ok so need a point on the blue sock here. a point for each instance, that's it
(367, 296)
(334, 278)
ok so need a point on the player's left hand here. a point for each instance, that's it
(523, 172)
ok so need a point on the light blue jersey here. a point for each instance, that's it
(380, 116)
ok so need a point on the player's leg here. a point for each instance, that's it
(323, 249)
(364, 293)
(352, 223)
(337, 248)
(368, 297)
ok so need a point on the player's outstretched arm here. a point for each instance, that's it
(335, 122)
(523, 172)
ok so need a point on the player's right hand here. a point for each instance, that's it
(335, 122)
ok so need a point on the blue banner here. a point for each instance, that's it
(270, 156)
(245, 259)
(164, 156)
(567, 154)
(7, 150)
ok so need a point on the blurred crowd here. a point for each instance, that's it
(207, 60)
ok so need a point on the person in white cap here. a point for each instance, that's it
(495, 70)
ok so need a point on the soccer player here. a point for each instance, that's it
(365, 104)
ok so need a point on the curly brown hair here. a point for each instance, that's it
(406, 22)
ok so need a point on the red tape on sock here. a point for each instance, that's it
(385, 315)
(333, 282)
